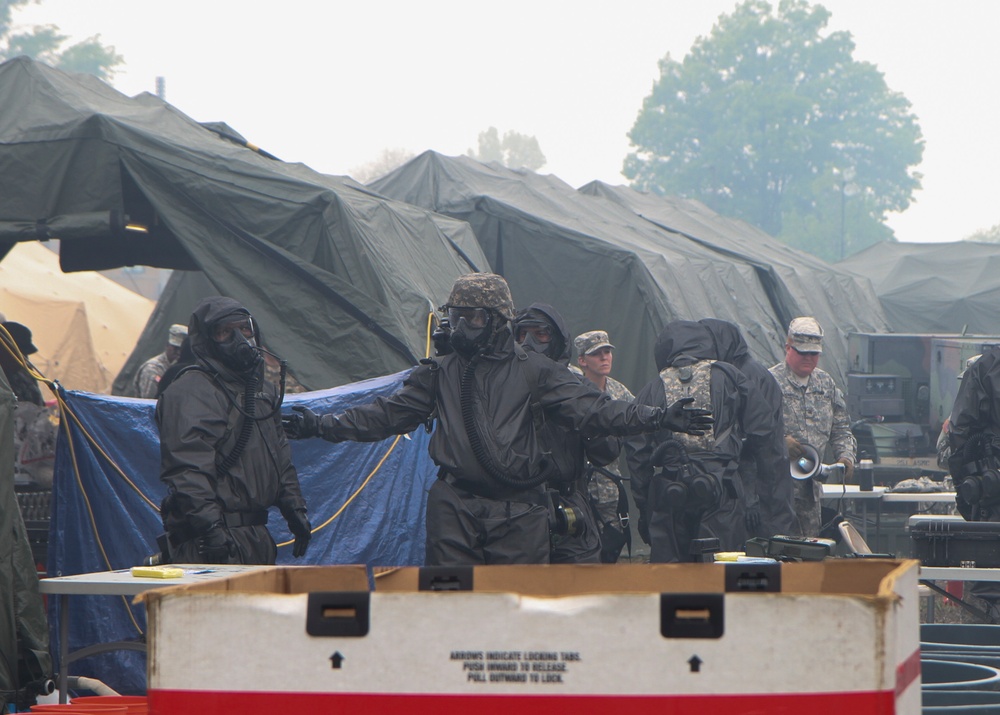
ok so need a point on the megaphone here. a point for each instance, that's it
(809, 466)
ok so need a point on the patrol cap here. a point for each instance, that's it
(591, 341)
(176, 334)
(805, 335)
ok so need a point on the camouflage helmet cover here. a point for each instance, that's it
(482, 290)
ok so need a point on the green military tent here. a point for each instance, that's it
(842, 301)
(340, 279)
(612, 258)
(934, 287)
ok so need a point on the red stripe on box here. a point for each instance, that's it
(907, 672)
(170, 702)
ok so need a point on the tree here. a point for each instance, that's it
(985, 235)
(44, 43)
(516, 151)
(385, 162)
(772, 121)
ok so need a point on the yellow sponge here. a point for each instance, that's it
(157, 572)
(728, 555)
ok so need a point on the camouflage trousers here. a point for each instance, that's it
(604, 494)
(808, 496)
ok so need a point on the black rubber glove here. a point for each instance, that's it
(681, 417)
(752, 518)
(216, 546)
(303, 425)
(644, 529)
(298, 524)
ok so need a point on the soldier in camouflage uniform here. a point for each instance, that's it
(147, 379)
(595, 356)
(486, 394)
(815, 413)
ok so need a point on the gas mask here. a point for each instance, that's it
(235, 344)
(470, 330)
(538, 336)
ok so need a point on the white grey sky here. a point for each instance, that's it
(331, 84)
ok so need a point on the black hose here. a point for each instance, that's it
(250, 407)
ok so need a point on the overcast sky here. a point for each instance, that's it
(331, 84)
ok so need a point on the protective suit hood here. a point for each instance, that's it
(206, 314)
(729, 343)
(558, 323)
(683, 342)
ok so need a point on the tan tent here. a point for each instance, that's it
(84, 325)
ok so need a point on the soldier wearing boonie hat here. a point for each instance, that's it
(21, 381)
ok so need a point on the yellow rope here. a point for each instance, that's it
(431, 317)
(63, 408)
(106, 456)
(11, 346)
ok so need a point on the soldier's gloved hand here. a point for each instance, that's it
(644, 529)
(751, 517)
(298, 524)
(303, 425)
(216, 546)
(848, 468)
(681, 417)
(794, 448)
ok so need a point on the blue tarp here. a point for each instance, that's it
(105, 519)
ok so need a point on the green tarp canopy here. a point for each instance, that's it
(616, 259)
(340, 279)
(935, 287)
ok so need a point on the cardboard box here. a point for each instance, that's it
(826, 637)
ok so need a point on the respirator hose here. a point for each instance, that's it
(249, 408)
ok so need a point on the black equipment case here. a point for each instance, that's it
(955, 542)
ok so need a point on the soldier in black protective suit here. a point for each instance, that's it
(542, 329)
(697, 492)
(489, 505)
(974, 438)
(767, 481)
(224, 455)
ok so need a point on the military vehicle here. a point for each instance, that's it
(900, 389)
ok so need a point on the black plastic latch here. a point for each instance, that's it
(692, 615)
(342, 614)
(445, 578)
(764, 578)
